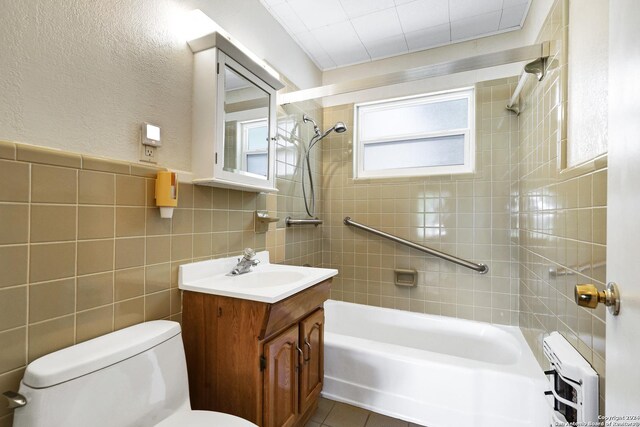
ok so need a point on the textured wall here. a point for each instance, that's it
(466, 215)
(588, 83)
(83, 76)
(562, 215)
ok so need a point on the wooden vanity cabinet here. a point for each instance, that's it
(260, 361)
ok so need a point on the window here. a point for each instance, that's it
(429, 134)
(255, 145)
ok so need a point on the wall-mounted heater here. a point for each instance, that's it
(574, 384)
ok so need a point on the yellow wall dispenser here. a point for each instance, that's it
(166, 193)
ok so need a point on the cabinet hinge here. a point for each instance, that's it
(218, 68)
(263, 363)
(216, 159)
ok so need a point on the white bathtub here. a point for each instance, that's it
(431, 370)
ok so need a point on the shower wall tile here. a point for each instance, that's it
(561, 215)
(297, 245)
(14, 227)
(466, 215)
(15, 177)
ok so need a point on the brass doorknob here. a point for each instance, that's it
(589, 296)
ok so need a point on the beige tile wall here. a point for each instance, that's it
(83, 250)
(562, 215)
(466, 215)
(303, 243)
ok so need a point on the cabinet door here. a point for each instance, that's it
(281, 379)
(312, 372)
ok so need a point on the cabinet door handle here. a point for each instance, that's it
(301, 354)
(308, 344)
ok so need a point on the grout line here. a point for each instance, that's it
(113, 284)
(28, 299)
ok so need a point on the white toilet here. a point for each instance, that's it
(132, 377)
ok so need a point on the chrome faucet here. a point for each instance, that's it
(244, 265)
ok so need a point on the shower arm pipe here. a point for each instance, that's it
(480, 268)
(509, 56)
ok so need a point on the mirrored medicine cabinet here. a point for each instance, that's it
(234, 117)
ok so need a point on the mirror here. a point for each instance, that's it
(246, 125)
(234, 118)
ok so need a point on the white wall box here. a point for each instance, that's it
(234, 117)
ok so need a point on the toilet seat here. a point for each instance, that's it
(204, 419)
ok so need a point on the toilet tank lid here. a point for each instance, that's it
(98, 353)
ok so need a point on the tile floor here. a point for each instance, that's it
(336, 414)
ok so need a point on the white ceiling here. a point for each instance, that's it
(336, 33)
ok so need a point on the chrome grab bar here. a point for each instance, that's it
(480, 268)
(290, 221)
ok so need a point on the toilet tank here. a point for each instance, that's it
(134, 376)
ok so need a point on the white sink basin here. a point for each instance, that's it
(266, 282)
(260, 279)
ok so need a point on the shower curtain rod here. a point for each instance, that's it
(509, 56)
(480, 268)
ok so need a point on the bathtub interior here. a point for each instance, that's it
(432, 388)
(455, 337)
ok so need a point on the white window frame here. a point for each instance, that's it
(243, 128)
(468, 132)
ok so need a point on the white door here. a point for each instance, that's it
(623, 213)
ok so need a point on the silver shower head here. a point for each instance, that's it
(338, 127)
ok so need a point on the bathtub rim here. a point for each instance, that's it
(511, 334)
